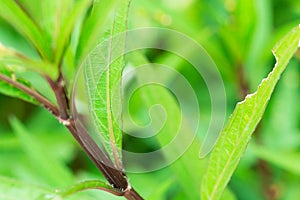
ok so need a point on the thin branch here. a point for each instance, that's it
(114, 176)
(37, 96)
(131, 194)
(60, 95)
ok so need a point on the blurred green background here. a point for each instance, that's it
(239, 36)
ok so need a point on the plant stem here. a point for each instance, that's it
(115, 177)
(131, 194)
(37, 96)
(60, 95)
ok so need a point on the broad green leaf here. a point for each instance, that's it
(93, 26)
(13, 14)
(234, 138)
(11, 189)
(103, 79)
(9, 90)
(53, 171)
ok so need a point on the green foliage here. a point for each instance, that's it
(41, 39)
(86, 185)
(11, 12)
(9, 90)
(103, 72)
(188, 168)
(92, 27)
(234, 138)
(43, 163)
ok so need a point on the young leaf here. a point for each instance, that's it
(103, 79)
(10, 90)
(19, 62)
(93, 26)
(13, 14)
(235, 136)
(67, 26)
(86, 185)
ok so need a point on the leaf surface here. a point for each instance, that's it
(103, 80)
(19, 62)
(93, 26)
(13, 14)
(234, 138)
(9, 90)
(188, 168)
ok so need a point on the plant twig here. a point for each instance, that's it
(115, 177)
(37, 96)
(60, 95)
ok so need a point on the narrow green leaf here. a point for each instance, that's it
(188, 169)
(103, 80)
(67, 27)
(86, 185)
(10, 90)
(19, 62)
(11, 189)
(93, 26)
(53, 171)
(13, 14)
(235, 136)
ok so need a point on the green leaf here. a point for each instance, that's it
(188, 168)
(53, 171)
(234, 138)
(10, 90)
(85, 185)
(93, 26)
(103, 80)
(13, 14)
(66, 27)
(11, 189)
(18, 62)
